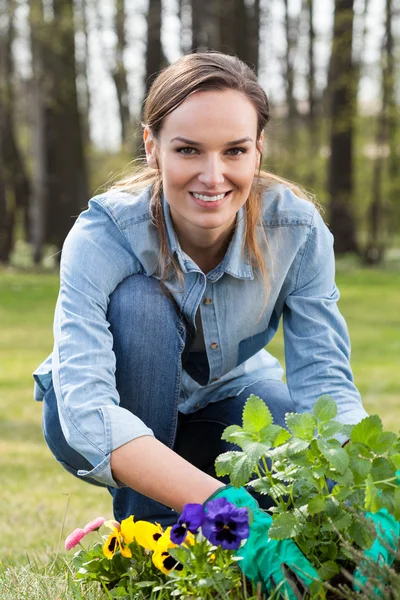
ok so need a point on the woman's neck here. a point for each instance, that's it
(206, 251)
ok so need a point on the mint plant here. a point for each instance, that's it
(321, 490)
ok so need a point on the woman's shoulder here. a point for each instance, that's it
(125, 208)
(282, 207)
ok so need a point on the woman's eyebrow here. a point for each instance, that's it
(193, 143)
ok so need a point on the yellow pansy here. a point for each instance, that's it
(116, 540)
(147, 534)
(128, 530)
(162, 558)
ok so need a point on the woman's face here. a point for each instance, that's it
(207, 152)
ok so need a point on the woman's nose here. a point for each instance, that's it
(212, 172)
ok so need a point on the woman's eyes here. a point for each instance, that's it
(189, 151)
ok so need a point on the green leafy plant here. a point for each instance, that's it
(321, 488)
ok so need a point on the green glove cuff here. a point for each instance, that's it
(240, 497)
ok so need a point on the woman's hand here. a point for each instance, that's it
(278, 564)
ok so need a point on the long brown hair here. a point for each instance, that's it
(205, 71)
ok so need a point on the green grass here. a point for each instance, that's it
(35, 490)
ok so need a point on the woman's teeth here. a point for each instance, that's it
(209, 198)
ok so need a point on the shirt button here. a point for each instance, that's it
(207, 301)
(197, 405)
(216, 379)
(214, 346)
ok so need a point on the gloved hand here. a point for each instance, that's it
(387, 534)
(278, 564)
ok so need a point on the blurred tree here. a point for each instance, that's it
(230, 26)
(155, 59)
(380, 203)
(82, 66)
(119, 72)
(14, 183)
(61, 170)
(342, 94)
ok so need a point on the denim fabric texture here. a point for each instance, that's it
(115, 239)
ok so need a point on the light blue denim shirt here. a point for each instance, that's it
(115, 238)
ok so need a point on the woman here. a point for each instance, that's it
(171, 285)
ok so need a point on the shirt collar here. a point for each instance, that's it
(235, 261)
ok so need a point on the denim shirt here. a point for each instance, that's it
(115, 238)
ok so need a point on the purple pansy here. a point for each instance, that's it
(191, 519)
(225, 524)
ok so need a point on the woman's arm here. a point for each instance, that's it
(317, 344)
(151, 468)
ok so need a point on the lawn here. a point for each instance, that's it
(36, 492)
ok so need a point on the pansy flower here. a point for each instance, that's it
(147, 534)
(191, 518)
(162, 558)
(122, 534)
(225, 524)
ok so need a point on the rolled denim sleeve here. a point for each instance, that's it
(96, 257)
(316, 338)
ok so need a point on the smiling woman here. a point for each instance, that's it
(172, 284)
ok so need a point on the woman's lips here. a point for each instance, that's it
(210, 203)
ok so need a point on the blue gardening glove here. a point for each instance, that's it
(276, 564)
(387, 539)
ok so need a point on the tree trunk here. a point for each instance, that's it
(14, 184)
(154, 53)
(83, 69)
(119, 72)
(68, 192)
(342, 115)
(39, 84)
(291, 34)
(378, 210)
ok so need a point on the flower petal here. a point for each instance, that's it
(193, 516)
(147, 534)
(94, 525)
(74, 538)
(111, 545)
(128, 530)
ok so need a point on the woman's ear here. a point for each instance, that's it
(150, 148)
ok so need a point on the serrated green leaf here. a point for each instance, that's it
(232, 430)
(342, 520)
(302, 426)
(316, 505)
(381, 442)
(281, 437)
(325, 408)
(278, 490)
(382, 468)
(360, 467)
(235, 464)
(366, 428)
(296, 445)
(256, 414)
(254, 451)
(329, 429)
(262, 485)
(328, 570)
(336, 456)
(285, 526)
(373, 502)
(224, 462)
(361, 533)
(395, 458)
